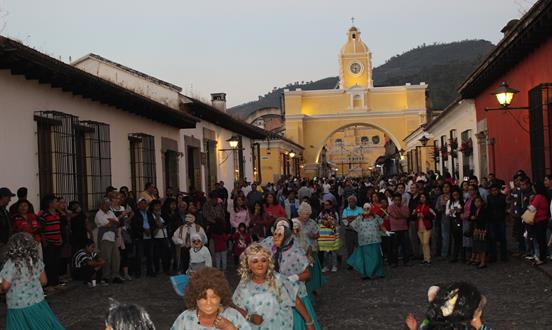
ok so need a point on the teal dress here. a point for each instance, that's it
(294, 262)
(27, 309)
(316, 280)
(367, 258)
(275, 306)
(188, 320)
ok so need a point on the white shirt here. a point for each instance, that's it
(101, 219)
(179, 235)
(326, 188)
(161, 233)
(203, 255)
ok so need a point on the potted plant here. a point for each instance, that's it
(467, 147)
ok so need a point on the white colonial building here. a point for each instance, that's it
(71, 133)
(206, 156)
(453, 134)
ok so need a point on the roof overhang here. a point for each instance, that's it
(527, 35)
(213, 115)
(33, 65)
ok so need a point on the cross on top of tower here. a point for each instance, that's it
(352, 21)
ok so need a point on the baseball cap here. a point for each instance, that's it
(5, 192)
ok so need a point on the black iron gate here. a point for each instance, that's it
(540, 134)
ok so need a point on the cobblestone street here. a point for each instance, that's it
(519, 297)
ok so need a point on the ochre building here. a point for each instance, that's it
(312, 117)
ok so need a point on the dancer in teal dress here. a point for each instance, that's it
(366, 258)
(309, 234)
(264, 297)
(208, 300)
(290, 260)
(22, 279)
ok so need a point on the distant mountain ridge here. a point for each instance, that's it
(442, 66)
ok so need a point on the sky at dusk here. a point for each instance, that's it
(245, 47)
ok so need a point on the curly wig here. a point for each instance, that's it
(204, 279)
(246, 273)
(22, 250)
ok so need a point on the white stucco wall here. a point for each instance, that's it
(165, 95)
(20, 98)
(461, 118)
(225, 168)
(149, 89)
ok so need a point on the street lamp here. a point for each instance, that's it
(233, 141)
(504, 94)
(423, 140)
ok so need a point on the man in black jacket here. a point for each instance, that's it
(496, 206)
(5, 228)
(142, 229)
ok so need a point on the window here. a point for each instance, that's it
(338, 142)
(357, 102)
(364, 140)
(94, 169)
(466, 148)
(142, 160)
(375, 139)
(211, 166)
(74, 157)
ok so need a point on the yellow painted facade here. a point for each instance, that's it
(311, 117)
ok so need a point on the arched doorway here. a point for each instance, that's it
(358, 150)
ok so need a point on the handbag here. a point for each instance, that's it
(528, 216)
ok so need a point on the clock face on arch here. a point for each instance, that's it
(355, 68)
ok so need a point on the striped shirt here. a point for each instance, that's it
(51, 225)
(82, 258)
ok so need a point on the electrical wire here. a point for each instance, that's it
(517, 121)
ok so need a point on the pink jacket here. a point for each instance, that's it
(238, 217)
(398, 217)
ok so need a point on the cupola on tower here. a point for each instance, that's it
(355, 62)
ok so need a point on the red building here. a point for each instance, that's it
(511, 138)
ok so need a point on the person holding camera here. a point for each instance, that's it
(453, 211)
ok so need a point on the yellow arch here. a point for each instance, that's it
(384, 130)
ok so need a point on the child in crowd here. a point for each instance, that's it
(199, 255)
(242, 240)
(220, 239)
(366, 258)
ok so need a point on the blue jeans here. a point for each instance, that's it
(497, 234)
(220, 260)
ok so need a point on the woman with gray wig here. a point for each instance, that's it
(310, 234)
(22, 278)
(127, 317)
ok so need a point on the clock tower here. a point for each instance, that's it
(355, 62)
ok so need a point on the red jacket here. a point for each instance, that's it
(541, 204)
(241, 242)
(428, 215)
(30, 225)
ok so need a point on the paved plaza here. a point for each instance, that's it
(519, 297)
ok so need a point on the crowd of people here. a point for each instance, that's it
(281, 237)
